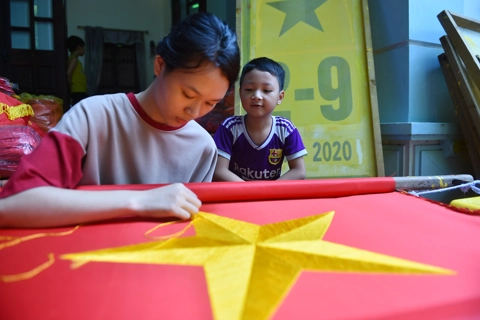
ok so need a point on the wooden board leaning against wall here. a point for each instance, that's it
(461, 66)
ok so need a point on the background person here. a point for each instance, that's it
(76, 78)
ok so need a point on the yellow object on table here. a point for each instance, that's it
(472, 203)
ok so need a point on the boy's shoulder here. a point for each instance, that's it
(282, 121)
(232, 121)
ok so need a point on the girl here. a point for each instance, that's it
(144, 138)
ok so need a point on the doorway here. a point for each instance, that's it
(119, 69)
(32, 42)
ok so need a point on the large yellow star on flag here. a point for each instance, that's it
(249, 268)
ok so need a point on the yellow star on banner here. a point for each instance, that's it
(298, 11)
(249, 268)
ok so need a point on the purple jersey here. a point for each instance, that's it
(264, 162)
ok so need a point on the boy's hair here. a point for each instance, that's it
(199, 39)
(266, 65)
(73, 42)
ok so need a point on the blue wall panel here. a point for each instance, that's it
(389, 22)
(391, 73)
(405, 37)
(423, 22)
(472, 9)
(428, 97)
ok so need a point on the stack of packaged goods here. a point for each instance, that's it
(24, 120)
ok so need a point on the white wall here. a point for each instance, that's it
(153, 16)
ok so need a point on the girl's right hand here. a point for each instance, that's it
(174, 200)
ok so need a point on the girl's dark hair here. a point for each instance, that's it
(73, 42)
(199, 39)
(266, 65)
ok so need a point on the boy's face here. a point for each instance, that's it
(260, 93)
(184, 95)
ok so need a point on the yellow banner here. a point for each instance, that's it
(321, 45)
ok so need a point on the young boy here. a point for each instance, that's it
(75, 75)
(252, 147)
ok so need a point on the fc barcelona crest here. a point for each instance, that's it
(275, 156)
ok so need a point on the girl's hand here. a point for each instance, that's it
(174, 200)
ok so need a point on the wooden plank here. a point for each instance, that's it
(240, 17)
(372, 84)
(472, 140)
(465, 84)
(468, 97)
(469, 57)
(467, 126)
(465, 22)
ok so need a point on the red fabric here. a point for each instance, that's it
(389, 223)
(458, 209)
(55, 162)
(23, 121)
(9, 100)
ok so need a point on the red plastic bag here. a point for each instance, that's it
(15, 142)
(48, 112)
(7, 87)
(48, 109)
(15, 112)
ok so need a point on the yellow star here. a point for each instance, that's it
(249, 269)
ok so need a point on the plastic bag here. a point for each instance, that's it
(7, 87)
(15, 142)
(14, 112)
(47, 110)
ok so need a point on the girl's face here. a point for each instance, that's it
(260, 93)
(182, 95)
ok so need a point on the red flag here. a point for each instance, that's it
(388, 223)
